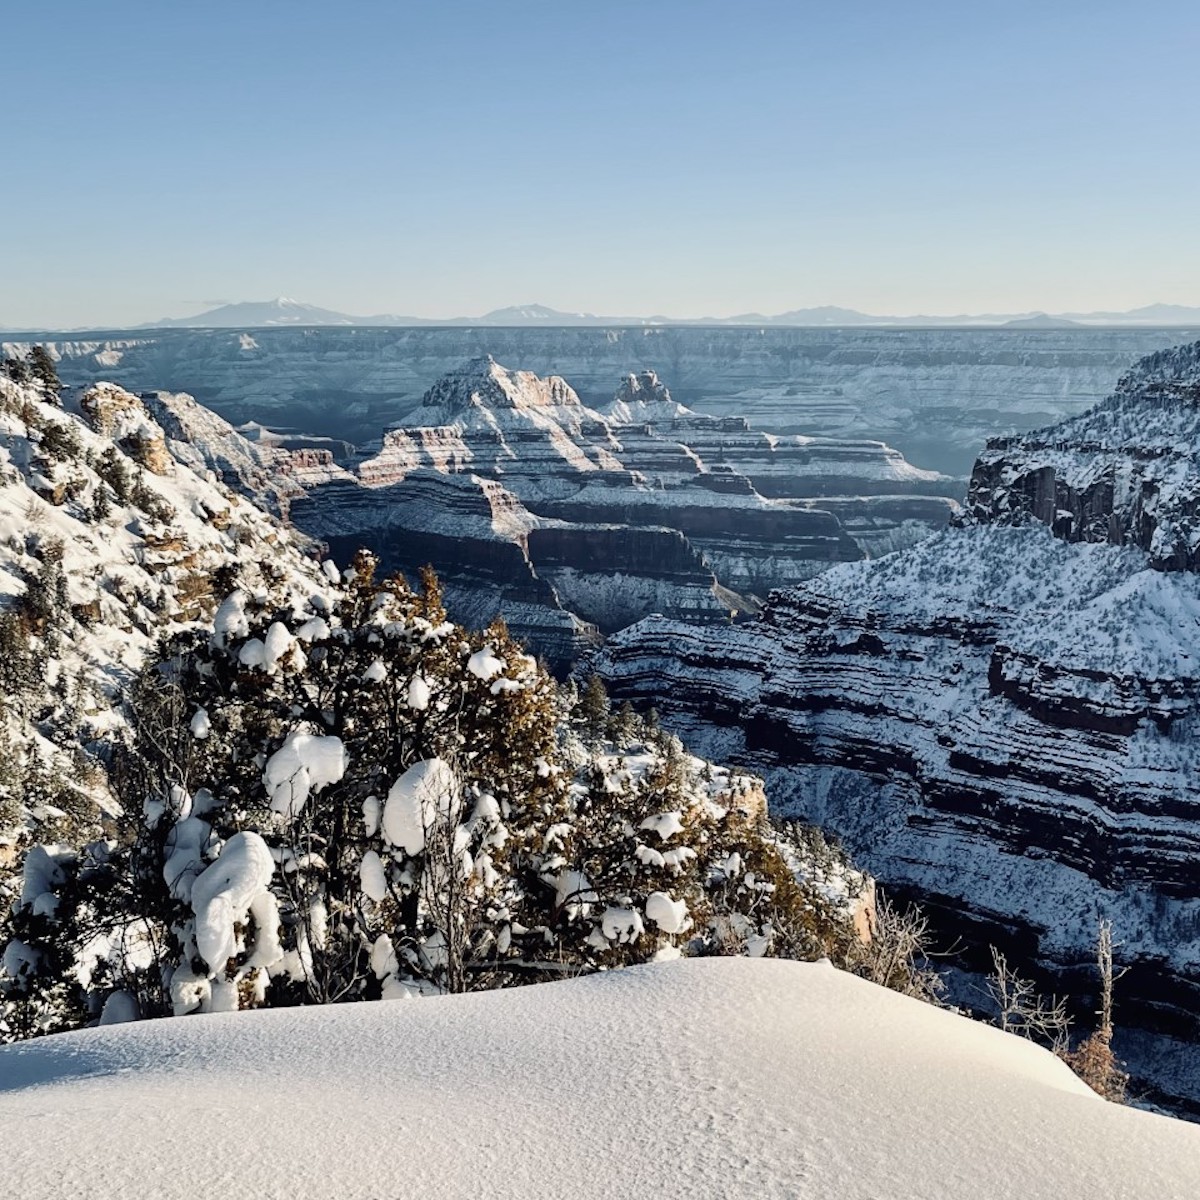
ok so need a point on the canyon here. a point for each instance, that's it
(934, 394)
(572, 523)
(1001, 721)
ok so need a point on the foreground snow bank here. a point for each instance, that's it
(713, 1077)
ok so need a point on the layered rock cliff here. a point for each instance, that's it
(1125, 473)
(472, 530)
(1003, 719)
(936, 394)
(616, 520)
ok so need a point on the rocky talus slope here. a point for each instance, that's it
(1004, 719)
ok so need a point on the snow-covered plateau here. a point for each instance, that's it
(704, 1078)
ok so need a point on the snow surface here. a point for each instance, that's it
(694, 1078)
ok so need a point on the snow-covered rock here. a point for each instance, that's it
(518, 491)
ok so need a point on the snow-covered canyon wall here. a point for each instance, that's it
(936, 394)
(1002, 720)
(532, 505)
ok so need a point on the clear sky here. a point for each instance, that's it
(685, 157)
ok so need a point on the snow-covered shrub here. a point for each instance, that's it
(386, 759)
(673, 855)
(349, 796)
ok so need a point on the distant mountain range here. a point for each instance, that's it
(283, 311)
(253, 314)
(291, 312)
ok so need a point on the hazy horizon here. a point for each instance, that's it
(687, 159)
(980, 320)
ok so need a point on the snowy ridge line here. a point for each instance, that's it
(962, 385)
(804, 1054)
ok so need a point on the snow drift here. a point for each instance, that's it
(714, 1077)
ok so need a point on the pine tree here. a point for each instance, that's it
(46, 604)
(594, 707)
(625, 725)
(18, 673)
(15, 369)
(43, 372)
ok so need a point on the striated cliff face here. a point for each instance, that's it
(936, 394)
(1004, 719)
(616, 520)
(472, 530)
(1125, 473)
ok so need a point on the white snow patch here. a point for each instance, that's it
(671, 916)
(621, 924)
(484, 664)
(666, 825)
(374, 877)
(418, 694)
(305, 762)
(200, 725)
(415, 801)
(222, 893)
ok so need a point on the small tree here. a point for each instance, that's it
(625, 725)
(594, 708)
(1022, 1010)
(43, 372)
(1093, 1060)
(898, 953)
(16, 369)
(18, 667)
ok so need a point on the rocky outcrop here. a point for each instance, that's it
(1001, 720)
(612, 575)
(161, 429)
(935, 394)
(1126, 473)
(114, 413)
(643, 398)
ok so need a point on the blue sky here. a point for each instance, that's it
(664, 156)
